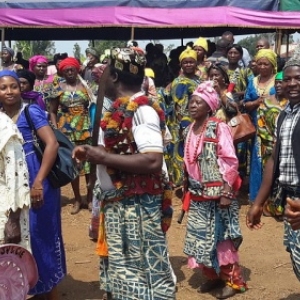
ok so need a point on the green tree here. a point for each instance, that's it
(168, 49)
(102, 45)
(46, 48)
(30, 48)
(24, 47)
(250, 42)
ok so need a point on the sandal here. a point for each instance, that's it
(76, 208)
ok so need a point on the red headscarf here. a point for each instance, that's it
(69, 62)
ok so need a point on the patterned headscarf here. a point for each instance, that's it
(37, 59)
(270, 55)
(188, 53)
(202, 42)
(130, 60)
(9, 50)
(69, 62)
(206, 91)
(92, 51)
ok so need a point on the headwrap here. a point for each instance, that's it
(69, 62)
(149, 73)
(202, 42)
(34, 96)
(131, 60)
(27, 75)
(270, 55)
(206, 91)
(279, 76)
(188, 53)
(92, 51)
(9, 50)
(10, 74)
(37, 59)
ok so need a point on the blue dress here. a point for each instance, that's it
(45, 222)
(256, 169)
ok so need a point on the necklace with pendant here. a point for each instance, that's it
(262, 90)
(72, 93)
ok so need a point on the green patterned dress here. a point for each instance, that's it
(181, 91)
(73, 117)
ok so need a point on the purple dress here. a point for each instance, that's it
(45, 222)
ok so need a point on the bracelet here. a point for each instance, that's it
(228, 194)
(244, 105)
(37, 189)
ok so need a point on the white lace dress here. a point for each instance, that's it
(14, 179)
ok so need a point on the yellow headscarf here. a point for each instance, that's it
(149, 73)
(188, 52)
(202, 42)
(270, 55)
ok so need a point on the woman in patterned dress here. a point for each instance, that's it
(213, 233)
(45, 215)
(69, 110)
(237, 74)
(260, 102)
(201, 47)
(182, 88)
(43, 82)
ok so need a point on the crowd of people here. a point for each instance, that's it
(164, 127)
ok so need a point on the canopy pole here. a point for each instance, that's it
(2, 41)
(132, 33)
(278, 41)
(287, 45)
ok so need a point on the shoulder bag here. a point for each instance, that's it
(64, 169)
(242, 128)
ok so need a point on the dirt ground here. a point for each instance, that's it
(266, 264)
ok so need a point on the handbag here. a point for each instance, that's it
(242, 128)
(64, 169)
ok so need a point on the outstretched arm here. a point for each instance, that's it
(253, 219)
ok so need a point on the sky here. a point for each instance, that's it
(67, 46)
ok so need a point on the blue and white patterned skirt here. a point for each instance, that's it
(138, 266)
(207, 225)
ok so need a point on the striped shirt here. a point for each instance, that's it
(287, 166)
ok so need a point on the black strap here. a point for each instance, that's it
(29, 121)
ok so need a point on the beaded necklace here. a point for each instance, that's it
(188, 144)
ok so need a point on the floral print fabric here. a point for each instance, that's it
(14, 185)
